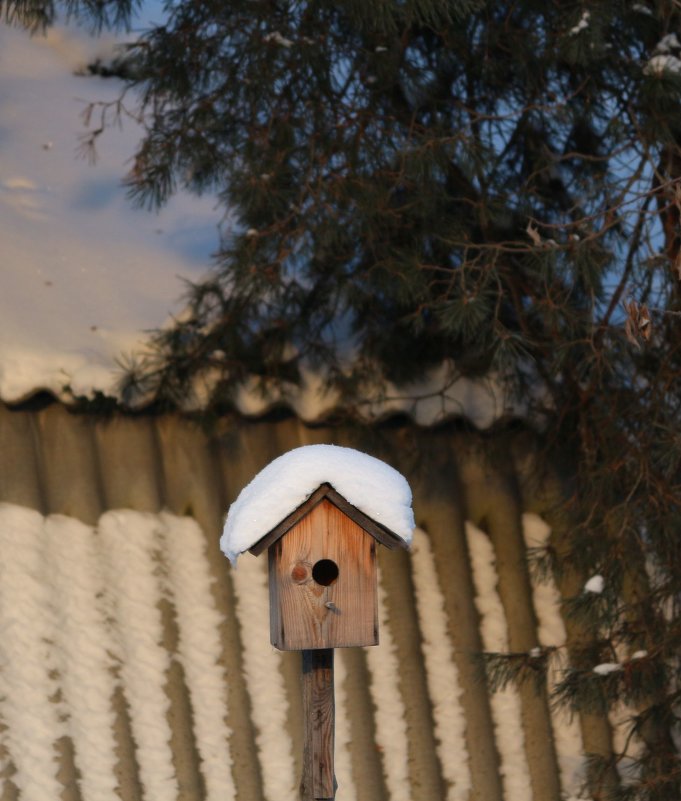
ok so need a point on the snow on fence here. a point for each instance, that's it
(188, 586)
(391, 732)
(27, 656)
(551, 634)
(80, 617)
(262, 665)
(443, 683)
(82, 622)
(506, 709)
(83, 646)
(130, 549)
(346, 787)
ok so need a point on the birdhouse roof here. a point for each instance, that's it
(368, 490)
(379, 532)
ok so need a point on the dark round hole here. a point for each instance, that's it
(325, 572)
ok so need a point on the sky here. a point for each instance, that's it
(84, 274)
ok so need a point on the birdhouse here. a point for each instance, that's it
(322, 574)
(319, 511)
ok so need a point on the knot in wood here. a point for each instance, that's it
(300, 572)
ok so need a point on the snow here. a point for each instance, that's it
(639, 655)
(84, 646)
(595, 585)
(27, 659)
(278, 38)
(665, 56)
(441, 394)
(582, 25)
(389, 715)
(264, 680)
(85, 275)
(442, 675)
(371, 485)
(342, 762)
(606, 668)
(658, 65)
(80, 618)
(551, 634)
(505, 704)
(667, 44)
(188, 586)
(131, 545)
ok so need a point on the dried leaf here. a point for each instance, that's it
(629, 333)
(638, 325)
(645, 329)
(533, 233)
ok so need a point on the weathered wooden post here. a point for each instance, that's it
(319, 511)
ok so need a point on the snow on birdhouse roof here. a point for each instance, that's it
(369, 484)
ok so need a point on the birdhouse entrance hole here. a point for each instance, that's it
(325, 572)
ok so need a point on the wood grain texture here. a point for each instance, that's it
(307, 615)
(318, 782)
(379, 532)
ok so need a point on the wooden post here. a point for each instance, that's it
(318, 782)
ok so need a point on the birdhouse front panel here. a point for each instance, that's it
(322, 576)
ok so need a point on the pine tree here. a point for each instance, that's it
(495, 184)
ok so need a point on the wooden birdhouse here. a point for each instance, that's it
(322, 574)
(322, 569)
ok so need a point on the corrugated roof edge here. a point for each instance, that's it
(104, 405)
(443, 395)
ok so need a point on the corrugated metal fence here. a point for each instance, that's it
(135, 663)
